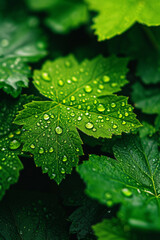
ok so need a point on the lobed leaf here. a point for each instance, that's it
(74, 91)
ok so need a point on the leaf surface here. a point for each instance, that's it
(132, 180)
(74, 91)
(10, 144)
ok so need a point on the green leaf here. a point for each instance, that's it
(31, 215)
(75, 90)
(148, 100)
(63, 16)
(10, 144)
(19, 43)
(110, 229)
(116, 17)
(84, 217)
(132, 180)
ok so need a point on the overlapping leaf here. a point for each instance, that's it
(63, 16)
(19, 44)
(117, 16)
(132, 180)
(10, 145)
(148, 100)
(75, 90)
(30, 215)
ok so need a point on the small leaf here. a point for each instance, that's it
(132, 180)
(74, 91)
(117, 16)
(19, 44)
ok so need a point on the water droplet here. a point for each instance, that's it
(123, 104)
(46, 116)
(129, 109)
(113, 105)
(73, 98)
(101, 86)
(64, 159)
(114, 126)
(74, 79)
(32, 146)
(120, 115)
(51, 149)
(126, 192)
(58, 130)
(11, 135)
(41, 150)
(106, 79)
(46, 76)
(14, 144)
(89, 125)
(124, 122)
(101, 108)
(107, 118)
(18, 132)
(88, 88)
(69, 81)
(60, 83)
(126, 114)
(114, 84)
(79, 118)
(62, 171)
(68, 64)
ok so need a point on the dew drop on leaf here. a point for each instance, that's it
(87, 88)
(46, 76)
(32, 146)
(64, 159)
(14, 144)
(106, 79)
(46, 116)
(126, 192)
(101, 108)
(113, 105)
(41, 150)
(89, 125)
(58, 130)
(124, 122)
(60, 83)
(51, 149)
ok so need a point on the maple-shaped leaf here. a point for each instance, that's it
(132, 180)
(10, 144)
(20, 43)
(75, 92)
(117, 16)
(32, 215)
(63, 16)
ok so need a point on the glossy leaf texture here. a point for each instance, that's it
(20, 43)
(63, 16)
(10, 144)
(74, 91)
(117, 16)
(132, 180)
(32, 215)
